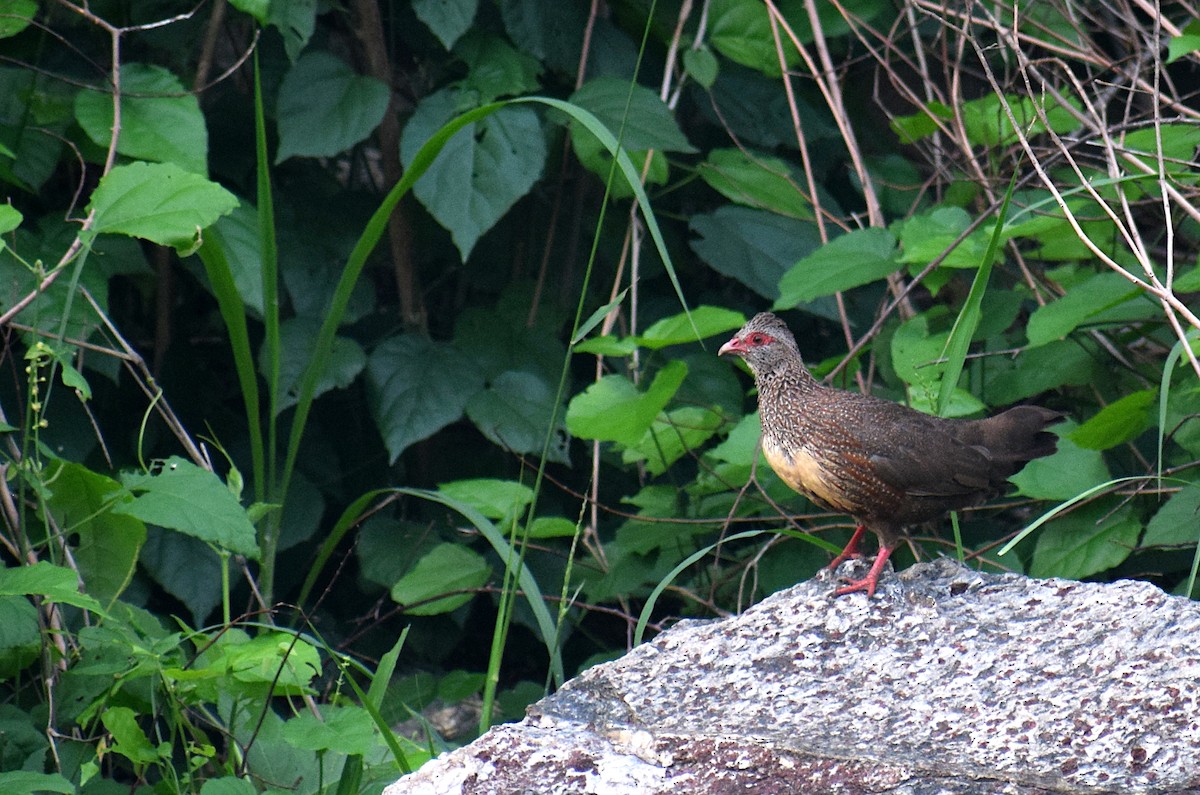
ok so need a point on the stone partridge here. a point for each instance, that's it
(883, 464)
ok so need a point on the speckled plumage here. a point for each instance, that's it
(884, 464)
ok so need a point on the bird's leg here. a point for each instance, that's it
(869, 582)
(850, 550)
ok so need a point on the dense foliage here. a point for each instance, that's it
(359, 359)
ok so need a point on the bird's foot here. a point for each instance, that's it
(850, 550)
(871, 581)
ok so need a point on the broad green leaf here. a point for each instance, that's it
(858, 257)
(277, 659)
(481, 171)
(614, 410)
(159, 202)
(1118, 422)
(677, 329)
(1085, 542)
(325, 107)
(416, 387)
(499, 340)
(1177, 521)
(987, 123)
(1063, 475)
(295, 20)
(446, 567)
(53, 583)
(160, 119)
(756, 180)
(922, 124)
(186, 568)
(514, 411)
(28, 782)
(344, 730)
(649, 124)
(540, 29)
(741, 31)
(35, 114)
(259, 9)
(1093, 301)
(1185, 43)
(753, 246)
(1037, 370)
(128, 738)
(237, 235)
(15, 16)
(448, 19)
(108, 546)
(607, 345)
(495, 69)
(671, 437)
(492, 497)
(552, 527)
(701, 64)
(1178, 143)
(741, 443)
(20, 640)
(192, 501)
(297, 337)
(926, 236)
(228, 785)
(10, 219)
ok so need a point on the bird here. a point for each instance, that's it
(884, 464)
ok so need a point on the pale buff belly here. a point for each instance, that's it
(801, 470)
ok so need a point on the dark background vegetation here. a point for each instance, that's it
(284, 468)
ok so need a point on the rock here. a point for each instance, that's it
(948, 681)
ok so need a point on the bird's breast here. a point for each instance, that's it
(804, 471)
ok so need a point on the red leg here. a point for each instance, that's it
(869, 582)
(850, 550)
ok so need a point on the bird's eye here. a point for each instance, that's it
(758, 338)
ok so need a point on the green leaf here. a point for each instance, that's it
(1178, 521)
(297, 339)
(259, 9)
(1118, 422)
(1063, 475)
(416, 387)
(481, 171)
(925, 236)
(986, 120)
(753, 246)
(108, 546)
(295, 20)
(10, 219)
(923, 124)
(53, 583)
(495, 69)
(1093, 301)
(192, 501)
(279, 660)
(1185, 43)
(552, 527)
(160, 119)
(20, 641)
(608, 345)
(128, 738)
(325, 107)
(702, 65)
(1085, 542)
(858, 257)
(159, 202)
(15, 16)
(756, 180)
(1038, 370)
(668, 439)
(492, 497)
(186, 568)
(448, 19)
(741, 31)
(344, 730)
(446, 567)
(228, 785)
(677, 329)
(614, 410)
(27, 782)
(515, 412)
(649, 124)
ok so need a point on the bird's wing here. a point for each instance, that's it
(920, 457)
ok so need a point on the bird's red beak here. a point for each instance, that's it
(733, 346)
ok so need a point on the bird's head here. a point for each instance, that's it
(764, 342)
